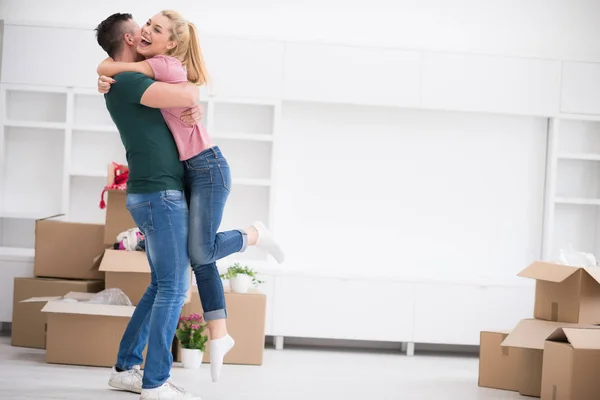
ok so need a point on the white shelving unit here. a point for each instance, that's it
(573, 186)
(244, 130)
(55, 144)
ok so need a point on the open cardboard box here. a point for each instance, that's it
(564, 293)
(67, 250)
(571, 364)
(28, 322)
(498, 365)
(130, 272)
(81, 333)
(527, 341)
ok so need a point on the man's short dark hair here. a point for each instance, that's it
(110, 33)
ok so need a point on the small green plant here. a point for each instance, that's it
(190, 332)
(236, 269)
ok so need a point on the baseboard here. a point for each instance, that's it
(295, 342)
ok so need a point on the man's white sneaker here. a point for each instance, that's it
(168, 391)
(267, 242)
(130, 381)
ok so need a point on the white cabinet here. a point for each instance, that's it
(448, 313)
(580, 88)
(490, 84)
(356, 75)
(353, 309)
(268, 288)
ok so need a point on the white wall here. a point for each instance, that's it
(560, 29)
(371, 191)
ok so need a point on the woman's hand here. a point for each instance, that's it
(104, 83)
(193, 116)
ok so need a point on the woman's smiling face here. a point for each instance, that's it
(156, 37)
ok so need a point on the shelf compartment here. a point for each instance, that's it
(236, 118)
(579, 156)
(16, 254)
(84, 200)
(579, 137)
(33, 173)
(90, 109)
(246, 204)
(17, 232)
(248, 159)
(92, 151)
(576, 226)
(578, 201)
(36, 106)
(578, 178)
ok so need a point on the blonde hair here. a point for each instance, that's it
(188, 47)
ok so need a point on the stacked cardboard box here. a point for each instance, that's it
(537, 358)
(66, 259)
(246, 314)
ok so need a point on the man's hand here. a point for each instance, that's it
(104, 83)
(193, 116)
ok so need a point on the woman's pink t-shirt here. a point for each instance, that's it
(190, 140)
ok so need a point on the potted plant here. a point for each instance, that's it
(240, 278)
(192, 340)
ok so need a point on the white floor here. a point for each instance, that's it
(291, 374)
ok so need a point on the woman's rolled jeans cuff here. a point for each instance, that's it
(215, 315)
(244, 240)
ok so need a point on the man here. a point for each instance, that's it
(157, 203)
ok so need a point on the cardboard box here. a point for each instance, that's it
(68, 250)
(527, 339)
(80, 333)
(130, 272)
(571, 365)
(28, 322)
(118, 218)
(497, 365)
(564, 293)
(245, 323)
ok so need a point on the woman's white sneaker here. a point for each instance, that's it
(168, 391)
(267, 242)
(130, 381)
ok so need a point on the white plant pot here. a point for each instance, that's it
(191, 358)
(241, 283)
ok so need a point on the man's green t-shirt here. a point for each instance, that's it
(151, 153)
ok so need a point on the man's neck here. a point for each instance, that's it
(126, 56)
(129, 54)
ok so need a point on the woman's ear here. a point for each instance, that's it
(171, 45)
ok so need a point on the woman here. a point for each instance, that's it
(170, 45)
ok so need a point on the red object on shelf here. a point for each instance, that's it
(117, 180)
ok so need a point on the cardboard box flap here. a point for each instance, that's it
(580, 338)
(594, 272)
(41, 299)
(124, 261)
(79, 296)
(84, 308)
(548, 271)
(532, 333)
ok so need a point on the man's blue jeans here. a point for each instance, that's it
(163, 219)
